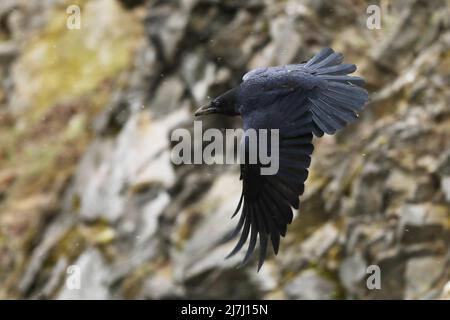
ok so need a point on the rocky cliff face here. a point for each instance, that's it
(86, 178)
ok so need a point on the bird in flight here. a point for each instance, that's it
(300, 100)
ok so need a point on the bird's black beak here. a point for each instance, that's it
(206, 109)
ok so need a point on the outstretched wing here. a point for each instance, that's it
(266, 200)
(333, 97)
(299, 100)
(337, 98)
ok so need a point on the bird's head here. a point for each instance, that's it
(224, 104)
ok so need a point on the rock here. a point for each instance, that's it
(421, 274)
(52, 236)
(319, 242)
(166, 28)
(395, 51)
(267, 279)
(95, 278)
(6, 7)
(131, 4)
(151, 212)
(216, 284)
(445, 185)
(161, 286)
(367, 199)
(127, 164)
(419, 222)
(55, 277)
(392, 266)
(7, 178)
(114, 117)
(352, 273)
(235, 44)
(198, 76)
(443, 166)
(90, 59)
(132, 98)
(8, 52)
(286, 40)
(106, 196)
(308, 285)
(398, 181)
(198, 255)
(446, 292)
(167, 97)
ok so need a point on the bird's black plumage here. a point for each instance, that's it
(300, 100)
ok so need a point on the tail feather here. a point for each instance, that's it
(336, 101)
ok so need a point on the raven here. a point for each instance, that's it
(299, 100)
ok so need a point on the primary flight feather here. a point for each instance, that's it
(299, 100)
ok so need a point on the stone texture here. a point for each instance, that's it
(310, 286)
(85, 171)
(94, 278)
(421, 275)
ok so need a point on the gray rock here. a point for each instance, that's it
(392, 266)
(421, 274)
(310, 286)
(372, 196)
(6, 7)
(421, 222)
(445, 185)
(268, 277)
(395, 51)
(166, 26)
(151, 211)
(286, 40)
(400, 182)
(118, 168)
(198, 75)
(366, 197)
(8, 52)
(445, 295)
(167, 97)
(161, 286)
(95, 277)
(352, 273)
(319, 242)
(198, 255)
(443, 167)
(52, 236)
(235, 44)
(55, 277)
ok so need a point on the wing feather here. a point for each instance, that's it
(317, 97)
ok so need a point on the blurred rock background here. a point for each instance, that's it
(85, 171)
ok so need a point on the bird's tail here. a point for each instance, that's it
(337, 102)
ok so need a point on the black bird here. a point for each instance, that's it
(300, 100)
